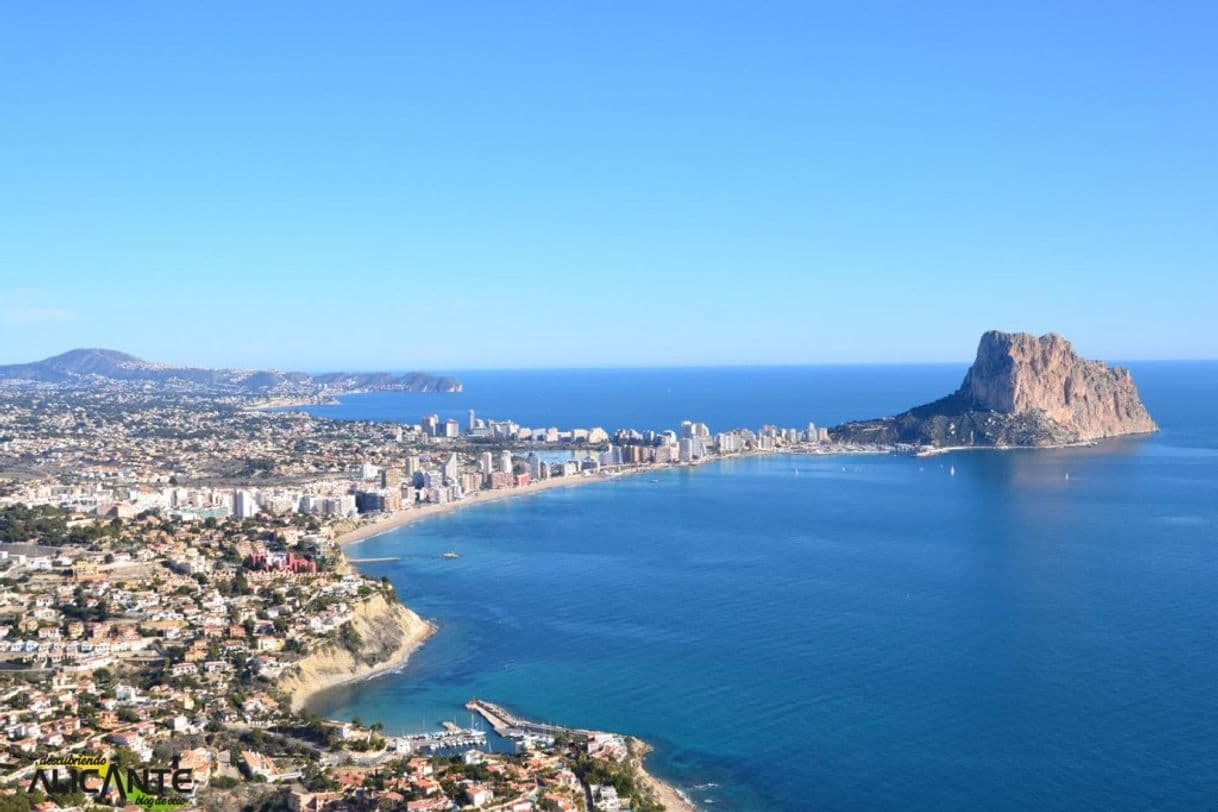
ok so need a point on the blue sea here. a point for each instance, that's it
(1037, 630)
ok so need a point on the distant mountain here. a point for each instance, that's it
(1020, 391)
(84, 367)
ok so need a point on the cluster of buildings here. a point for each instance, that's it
(499, 431)
(112, 438)
(532, 780)
(437, 476)
(398, 467)
(189, 611)
(172, 638)
(210, 572)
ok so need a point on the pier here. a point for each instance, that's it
(513, 727)
(378, 560)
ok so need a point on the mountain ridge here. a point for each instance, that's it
(93, 365)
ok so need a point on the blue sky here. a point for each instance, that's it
(466, 185)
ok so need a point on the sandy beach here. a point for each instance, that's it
(385, 523)
(404, 517)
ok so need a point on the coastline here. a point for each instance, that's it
(671, 798)
(667, 794)
(952, 449)
(407, 516)
(274, 403)
(378, 621)
(401, 518)
(509, 725)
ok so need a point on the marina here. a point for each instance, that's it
(451, 738)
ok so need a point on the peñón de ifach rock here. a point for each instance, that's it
(1020, 391)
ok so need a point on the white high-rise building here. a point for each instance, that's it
(505, 461)
(449, 469)
(537, 468)
(245, 506)
(729, 443)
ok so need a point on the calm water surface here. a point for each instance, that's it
(843, 633)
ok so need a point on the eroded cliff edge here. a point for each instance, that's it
(1020, 391)
(386, 633)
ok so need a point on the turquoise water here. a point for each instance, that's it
(870, 632)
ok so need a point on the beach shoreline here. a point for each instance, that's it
(408, 516)
(671, 798)
(331, 666)
(399, 659)
(668, 795)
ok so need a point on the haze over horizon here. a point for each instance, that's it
(963, 361)
(393, 187)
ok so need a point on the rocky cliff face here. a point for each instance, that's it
(388, 633)
(1022, 391)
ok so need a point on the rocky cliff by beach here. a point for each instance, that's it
(386, 632)
(1020, 391)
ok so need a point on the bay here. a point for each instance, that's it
(841, 632)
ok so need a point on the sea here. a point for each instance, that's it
(1033, 629)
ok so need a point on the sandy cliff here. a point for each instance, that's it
(388, 633)
(1020, 391)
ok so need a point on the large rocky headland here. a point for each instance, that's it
(1020, 391)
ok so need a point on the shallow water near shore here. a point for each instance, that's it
(851, 632)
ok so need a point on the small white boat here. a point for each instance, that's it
(451, 554)
(952, 471)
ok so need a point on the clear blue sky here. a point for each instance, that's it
(460, 185)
